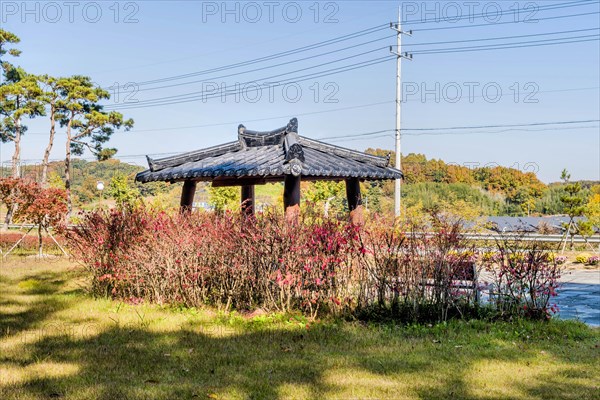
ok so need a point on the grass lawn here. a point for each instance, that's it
(57, 342)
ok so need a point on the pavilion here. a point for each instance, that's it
(262, 157)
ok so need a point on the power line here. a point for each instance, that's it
(269, 66)
(228, 92)
(330, 42)
(272, 56)
(351, 47)
(535, 8)
(506, 125)
(225, 91)
(408, 130)
(361, 138)
(278, 117)
(377, 134)
(505, 130)
(503, 37)
(358, 134)
(516, 45)
(196, 93)
(503, 23)
(345, 139)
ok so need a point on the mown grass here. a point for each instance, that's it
(57, 342)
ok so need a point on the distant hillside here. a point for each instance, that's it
(490, 190)
(85, 176)
(429, 184)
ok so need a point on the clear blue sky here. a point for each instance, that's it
(169, 38)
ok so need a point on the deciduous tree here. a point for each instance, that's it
(329, 194)
(592, 208)
(222, 198)
(43, 207)
(121, 191)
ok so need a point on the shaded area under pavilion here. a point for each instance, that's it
(257, 158)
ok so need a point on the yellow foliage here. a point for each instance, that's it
(592, 208)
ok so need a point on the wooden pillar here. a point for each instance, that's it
(248, 199)
(187, 196)
(354, 201)
(291, 197)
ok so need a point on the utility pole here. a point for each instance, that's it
(398, 28)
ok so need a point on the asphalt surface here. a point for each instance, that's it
(579, 296)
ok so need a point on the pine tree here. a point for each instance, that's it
(87, 125)
(573, 205)
(19, 99)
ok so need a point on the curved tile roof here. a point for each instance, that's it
(270, 155)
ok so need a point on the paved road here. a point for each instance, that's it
(579, 296)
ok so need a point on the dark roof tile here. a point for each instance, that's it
(270, 154)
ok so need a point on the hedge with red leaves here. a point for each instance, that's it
(315, 266)
(218, 259)
(30, 242)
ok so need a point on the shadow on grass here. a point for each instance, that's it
(33, 299)
(136, 363)
(278, 361)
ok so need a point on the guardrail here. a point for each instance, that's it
(595, 239)
(29, 226)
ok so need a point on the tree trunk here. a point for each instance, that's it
(16, 170)
(16, 158)
(40, 241)
(68, 170)
(572, 241)
(44, 181)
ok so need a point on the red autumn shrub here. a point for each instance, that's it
(104, 242)
(218, 259)
(420, 271)
(410, 272)
(526, 278)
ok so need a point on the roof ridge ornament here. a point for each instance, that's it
(250, 138)
(294, 153)
(293, 149)
(292, 126)
(150, 163)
